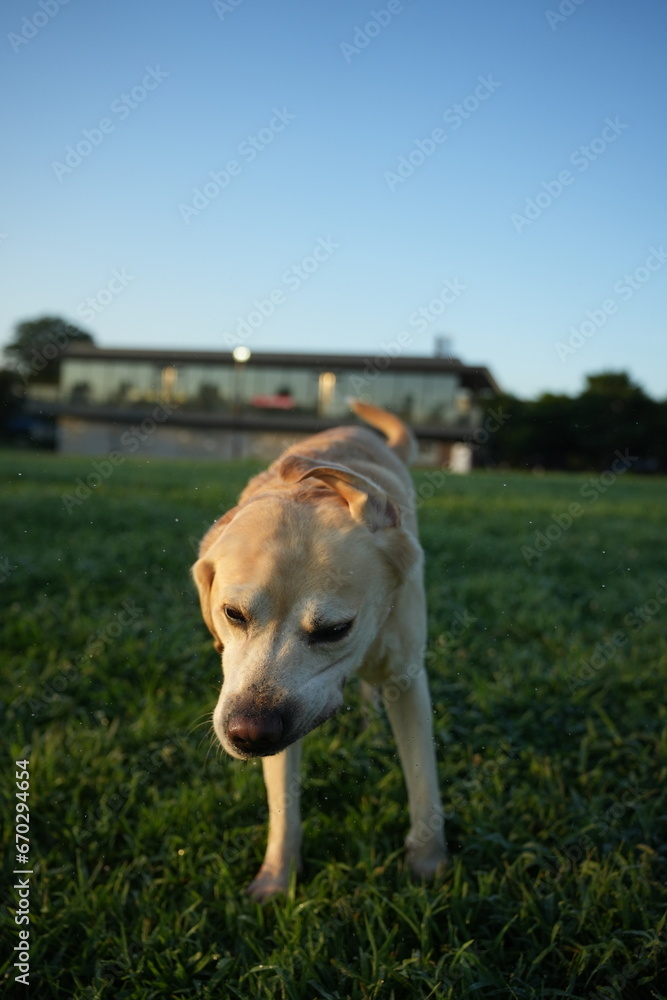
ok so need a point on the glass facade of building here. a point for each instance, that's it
(420, 396)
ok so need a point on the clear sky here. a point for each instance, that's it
(492, 171)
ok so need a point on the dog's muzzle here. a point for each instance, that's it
(255, 734)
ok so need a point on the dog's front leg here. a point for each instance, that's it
(410, 716)
(282, 776)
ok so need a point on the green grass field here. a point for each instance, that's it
(548, 675)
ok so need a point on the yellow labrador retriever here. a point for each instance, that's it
(315, 575)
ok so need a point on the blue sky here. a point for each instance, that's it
(528, 212)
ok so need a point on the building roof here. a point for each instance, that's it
(476, 377)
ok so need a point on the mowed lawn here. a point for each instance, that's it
(548, 675)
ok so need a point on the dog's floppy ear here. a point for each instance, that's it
(203, 572)
(367, 502)
(216, 529)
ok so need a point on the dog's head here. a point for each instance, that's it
(295, 585)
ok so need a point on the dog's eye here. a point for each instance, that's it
(234, 615)
(330, 633)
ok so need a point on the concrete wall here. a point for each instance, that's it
(87, 437)
(163, 440)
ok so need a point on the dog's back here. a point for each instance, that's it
(385, 462)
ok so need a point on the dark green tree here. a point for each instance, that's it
(11, 399)
(614, 385)
(616, 415)
(612, 415)
(38, 346)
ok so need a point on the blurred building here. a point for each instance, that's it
(221, 404)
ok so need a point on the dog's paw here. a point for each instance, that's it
(427, 857)
(269, 882)
(265, 886)
(428, 868)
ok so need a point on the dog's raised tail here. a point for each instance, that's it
(399, 437)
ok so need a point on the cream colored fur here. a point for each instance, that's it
(326, 536)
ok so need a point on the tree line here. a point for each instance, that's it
(582, 432)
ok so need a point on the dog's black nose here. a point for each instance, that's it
(255, 733)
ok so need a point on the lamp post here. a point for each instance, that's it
(241, 356)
